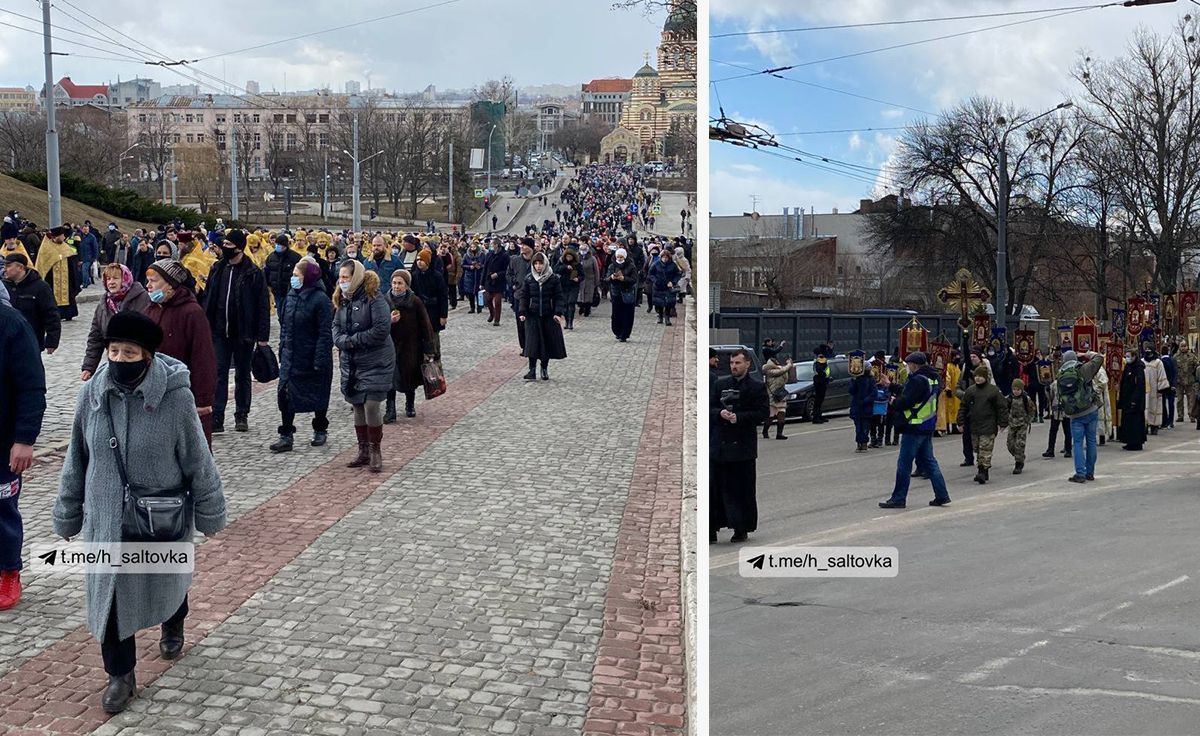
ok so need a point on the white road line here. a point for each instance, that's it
(1103, 692)
(802, 468)
(1164, 586)
(995, 664)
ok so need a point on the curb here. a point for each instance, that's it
(689, 510)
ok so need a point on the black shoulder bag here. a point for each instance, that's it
(150, 515)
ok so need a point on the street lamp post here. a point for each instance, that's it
(489, 161)
(1002, 215)
(357, 218)
(121, 161)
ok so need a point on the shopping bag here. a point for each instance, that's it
(263, 364)
(433, 378)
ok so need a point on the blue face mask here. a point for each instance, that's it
(395, 251)
(297, 282)
(158, 297)
(278, 248)
(345, 288)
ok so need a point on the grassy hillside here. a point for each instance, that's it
(31, 202)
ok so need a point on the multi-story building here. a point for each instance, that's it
(252, 87)
(130, 91)
(181, 90)
(605, 99)
(69, 94)
(280, 123)
(551, 117)
(18, 99)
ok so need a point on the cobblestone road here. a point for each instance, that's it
(471, 588)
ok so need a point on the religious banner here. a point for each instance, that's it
(1114, 361)
(1137, 316)
(913, 338)
(999, 340)
(1065, 341)
(1118, 324)
(1156, 313)
(1170, 313)
(981, 330)
(1084, 334)
(893, 371)
(939, 356)
(858, 362)
(1187, 311)
(1045, 371)
(1025, 344)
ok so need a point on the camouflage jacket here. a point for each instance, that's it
(1021, 411)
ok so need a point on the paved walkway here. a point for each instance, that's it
(515, 569)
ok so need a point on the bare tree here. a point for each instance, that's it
(156, 134)
(1146, 102)
(23, 140)
(90, 140)
(582, 137)
(199, 171)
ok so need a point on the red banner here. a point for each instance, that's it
(1114, 361)
(1085, 334)
(981, 332)
(1139, 313)
(1026, 343)
(913, 337)
(939, 356)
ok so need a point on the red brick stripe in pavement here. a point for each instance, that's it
(638, 682)
(58, 691)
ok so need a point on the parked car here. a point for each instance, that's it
(837, 395)
(723, 353)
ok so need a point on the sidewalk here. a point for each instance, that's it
(472, 588)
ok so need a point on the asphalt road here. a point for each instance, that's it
(1027, 606)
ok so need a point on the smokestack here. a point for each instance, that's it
(787, 230)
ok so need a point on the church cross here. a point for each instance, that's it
(966, 293)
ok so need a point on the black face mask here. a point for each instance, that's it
(129, 375)
(228, 253)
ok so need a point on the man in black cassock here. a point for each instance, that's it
(738, 406)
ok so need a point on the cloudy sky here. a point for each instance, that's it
(458, 45)
(1027, 64)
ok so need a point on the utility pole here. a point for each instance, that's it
(233, 209)
(53, 186)
(174, 176)
(325, 190)
(357, 216)
(450, 201)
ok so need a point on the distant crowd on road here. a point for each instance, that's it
(909, 403)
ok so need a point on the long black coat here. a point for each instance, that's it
(1131, 401)
(412, 338)
(430, 287)
(628, 283)
(306, 349)
(277, 271)
(34, 299)
(540, 304)
(738, 442)
(495, 264)
(140, 260)
(251, 317)
(570, 276)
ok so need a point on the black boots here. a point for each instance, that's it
(170, 645)
(1019, 467)
(319, 439)
(119, 692)
(389, 414)
(862, 447)
(1048, 453)
(779, 429)
(240, 424)
(409, 410)
(982, 476)
(531, 375)
(283, 444)
(545, 375)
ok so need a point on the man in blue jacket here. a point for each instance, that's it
(916, 411)
(22, 405)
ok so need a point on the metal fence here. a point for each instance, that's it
(869, 331)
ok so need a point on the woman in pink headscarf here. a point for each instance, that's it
(121, 294)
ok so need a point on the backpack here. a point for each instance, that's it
(1075, 395)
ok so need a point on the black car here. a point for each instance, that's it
(837, 395)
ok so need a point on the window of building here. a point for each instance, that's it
(291, 141)
(278, 117)
(257, 166)
(255, 118)
(199, 137)
(291, 118)
(189, 118)
(221, 140)
(237, 117)
(142, 118)
(190, 138)
(324, 140)
(177, 138)
(258, 141)
(220, 118)
(323, 118)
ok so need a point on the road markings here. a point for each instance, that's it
(1164, 586)
(808, 467)
(1103, 692)
(995, 664)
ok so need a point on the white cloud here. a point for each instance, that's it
(855, 141)
(892, 113)
(730, 193)
(746, 168)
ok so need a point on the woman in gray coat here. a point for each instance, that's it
(162, 446)
(362, 324)
(587, 287)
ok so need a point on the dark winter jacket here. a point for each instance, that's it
(543, 299)
(663, 273)
(570, 276)
(110, 245)
(625, 286)
(518, 269)
(249, 317)
(985, 408)
(430, 287)
(89, 247)
(472, 273)
(34, 299)
(495, 272)
(385, 267)
(140, 260)
(412, 339)
(187, 337)
(277, 271)
(22, 387)
(737, 442)
(362, 332)
(862, 396)
(306, 349)
(136, 300)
